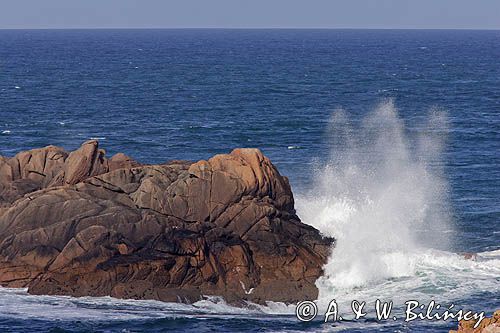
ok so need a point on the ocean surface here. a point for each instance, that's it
(390, 138)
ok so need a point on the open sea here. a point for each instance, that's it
(390, 138)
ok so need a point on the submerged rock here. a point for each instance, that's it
(83, 225)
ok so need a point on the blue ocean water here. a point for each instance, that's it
(158, 95)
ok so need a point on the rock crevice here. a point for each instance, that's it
(83, 225)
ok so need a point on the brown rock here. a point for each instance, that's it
(52, 166)
(84, 225)
(487, 325)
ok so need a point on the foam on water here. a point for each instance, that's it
(17, 303)
(383, 196)
(148, 115)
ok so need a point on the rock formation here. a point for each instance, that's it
(488, 325)
(83, 225)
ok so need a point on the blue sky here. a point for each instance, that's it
(421, 14)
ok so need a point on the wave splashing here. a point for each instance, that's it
(382, 195)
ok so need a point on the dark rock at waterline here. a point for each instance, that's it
(83, 225)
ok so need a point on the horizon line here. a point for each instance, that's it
(241, 28)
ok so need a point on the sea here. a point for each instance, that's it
(390, 140)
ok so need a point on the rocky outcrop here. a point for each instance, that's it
(487, 325)
(51, 166)
(83, 225)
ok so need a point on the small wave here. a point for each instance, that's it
(422, 275)
(17, 303)
(6, 132)
(98, 138)
(294, 147)
(432, 273)
(17, 87)
(465, 81)
(204, 126)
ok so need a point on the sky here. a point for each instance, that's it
(385, 14)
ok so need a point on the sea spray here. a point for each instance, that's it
(381, 194)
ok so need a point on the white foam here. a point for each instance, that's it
(6, 132)
(377, 196)
(17, 303)
(383, 196)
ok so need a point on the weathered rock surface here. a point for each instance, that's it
(487, 325)
(51, 166)
(83, 225)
